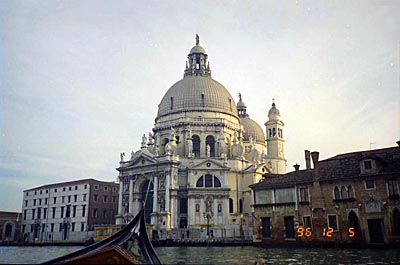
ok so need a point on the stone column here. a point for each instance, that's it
(120, 211)
(119, 219)
(167, 191)
(130, 196)
(137, 203)
(155, 197)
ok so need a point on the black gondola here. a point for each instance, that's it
(130, 245)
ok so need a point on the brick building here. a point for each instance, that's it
(68, 210)
(349, 198)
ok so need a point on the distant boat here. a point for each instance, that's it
(130, 245)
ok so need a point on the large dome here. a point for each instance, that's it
(251, 128)
(197, 93)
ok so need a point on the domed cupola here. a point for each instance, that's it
(251, 128)
(197, 64)
(273, 113)
(197, 91)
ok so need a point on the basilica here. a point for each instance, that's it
(194, 169)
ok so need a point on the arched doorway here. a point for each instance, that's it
(353, 222)
(147, 188)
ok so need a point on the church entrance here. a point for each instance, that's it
(147, 188)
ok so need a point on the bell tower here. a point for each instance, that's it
(275, 142)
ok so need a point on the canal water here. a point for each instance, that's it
(224, 255)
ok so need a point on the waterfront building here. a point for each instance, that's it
(68, 211)
(196, 165)
(10, 223)
(348, 198)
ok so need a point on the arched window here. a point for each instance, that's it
(230, 205)
(350, 192)
(343, 193)
(240, 205)
(164, 143)
(353, 222)
(8, 230)
(217, 183)
(196, 145)
(269, 132)
(273, 132)
(147, 188)
(211, 142)
(200, 182)
(337, 193)
(396, 222)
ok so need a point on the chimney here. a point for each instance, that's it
(308, 162)
(296, 167)
(315, 156)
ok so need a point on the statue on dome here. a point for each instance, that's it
(197, 39)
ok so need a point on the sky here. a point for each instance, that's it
(80, 81)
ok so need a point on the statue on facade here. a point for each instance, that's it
(121, 155)
(132, 154)
(208, 150)
(151, 139)
(144, 141)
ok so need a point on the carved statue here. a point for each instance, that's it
(208, 149)
(197, 39)
(151, 139)
(190, 147)
(121, 155)
(144, 140)
(132, 154)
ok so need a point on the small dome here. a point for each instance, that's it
(252, 128)
(197, 93)
(197, 49)
(273, 113)
(241, 104)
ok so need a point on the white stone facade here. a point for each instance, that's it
(199, 161)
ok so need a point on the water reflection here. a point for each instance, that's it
(224, 255)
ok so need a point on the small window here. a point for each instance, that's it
(82, 227)
(393, 188)
(55, 190)
(370, 184)
(96, 187)
(307, 221)
(64, 189)
(76, 187)
(54, 200)
(35, 192)
(114, 189)
(197, 207)
(332, 222)
(230, 205)
(337, 193)
(41, 192)
(69, 188)
(47, 191)
(75, 198)
(219, 208)
(27, 193)
(208, 181)
(85, 186)
(104, 198)
(217, 183)
(304, 195)
(95, 196)
(105, 188)
(367, 164)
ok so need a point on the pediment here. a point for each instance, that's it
(260, 168)
(141, 158)
(209, 164)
